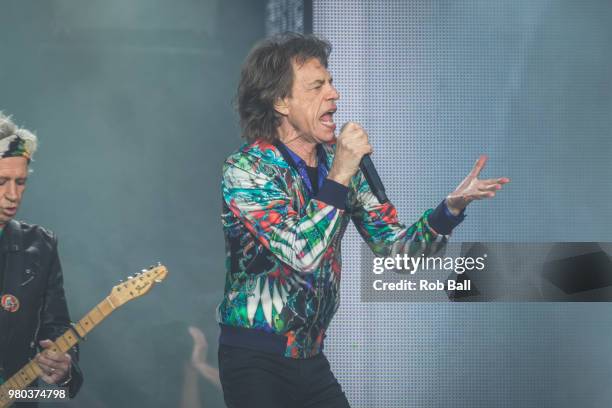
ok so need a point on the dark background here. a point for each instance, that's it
(132, 103)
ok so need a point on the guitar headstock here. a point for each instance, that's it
(138, 285)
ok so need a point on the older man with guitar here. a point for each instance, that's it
(33, 307)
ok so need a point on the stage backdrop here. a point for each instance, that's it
(132, 102)
(435, 84)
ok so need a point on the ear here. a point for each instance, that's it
(281, 106)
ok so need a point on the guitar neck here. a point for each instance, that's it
(31, 371)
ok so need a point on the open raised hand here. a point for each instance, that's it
(472, 188)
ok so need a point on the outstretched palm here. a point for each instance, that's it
(472, 188)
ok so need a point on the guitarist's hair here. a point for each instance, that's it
(16, 141)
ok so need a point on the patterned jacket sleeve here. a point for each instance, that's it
(260, 202)
(380, 227)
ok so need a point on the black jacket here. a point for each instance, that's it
(33, 274)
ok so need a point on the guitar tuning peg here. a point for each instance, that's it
(157, 280)
(143, 270)
(120, 280)
(130, 277)
(159, 263)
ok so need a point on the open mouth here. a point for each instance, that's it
(327, 119)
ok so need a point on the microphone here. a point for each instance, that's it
(374, 181)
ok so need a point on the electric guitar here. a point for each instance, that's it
(134, 287)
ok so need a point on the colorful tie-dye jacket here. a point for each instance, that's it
(283, 247)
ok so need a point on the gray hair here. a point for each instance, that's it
(9, 132)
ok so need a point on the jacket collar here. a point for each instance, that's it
(271, 153)
(12, 246)
(296, 161)
(12, 240)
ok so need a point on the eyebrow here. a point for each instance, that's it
(6, 178)
(321, 81)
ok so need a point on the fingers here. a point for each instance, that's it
(46, 344)
(53, 366)
(480, 163)
(55, 360)
(484, 186)
(492, 185)
(350, 127)
(52, 359)
(49, 356)
(47, 363)
(489, 189)
(355, 139)
(53, 369)
(485, 190)
(49, 353)
(49, 368)
(501, 180)
(481, 195)
(472, 188)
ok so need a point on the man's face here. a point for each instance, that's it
(312, 103)
(13, 176)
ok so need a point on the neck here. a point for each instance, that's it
(307, 150)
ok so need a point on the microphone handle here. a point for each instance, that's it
(371, 175)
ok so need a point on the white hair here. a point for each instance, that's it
(9, 132)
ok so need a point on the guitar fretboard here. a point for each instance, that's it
(31, 371)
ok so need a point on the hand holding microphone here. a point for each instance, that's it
(352, 153)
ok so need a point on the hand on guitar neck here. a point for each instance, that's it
(55, 365)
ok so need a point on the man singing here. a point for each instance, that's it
(288, 195)
(33, 308)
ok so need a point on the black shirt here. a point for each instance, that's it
(313, 175)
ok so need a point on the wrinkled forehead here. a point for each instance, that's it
(14, 166)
